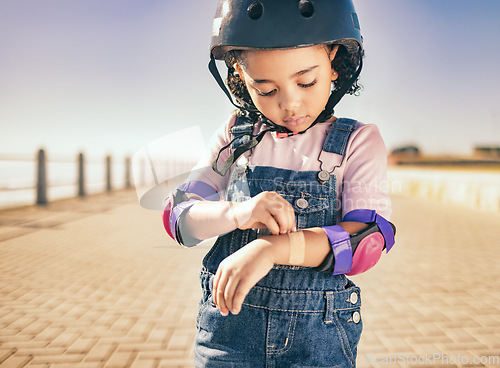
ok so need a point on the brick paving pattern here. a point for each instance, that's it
(97, 283)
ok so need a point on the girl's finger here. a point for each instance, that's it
(285, 221)
(271, 224)
(239, 295)
(221, 286)
(231, 286)
(284, 216)
(214, 287)
(291, 219)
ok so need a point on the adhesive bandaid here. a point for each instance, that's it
(297, 248)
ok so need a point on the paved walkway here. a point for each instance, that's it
(96, 283)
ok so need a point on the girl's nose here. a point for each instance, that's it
(289, 101)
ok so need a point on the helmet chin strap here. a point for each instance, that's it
(324, 116)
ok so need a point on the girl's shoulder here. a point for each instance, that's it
(359, 127)
(365, 133)
(350, 130)
(345, 141)
(366, 142)
(364, 126)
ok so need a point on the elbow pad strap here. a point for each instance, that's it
(340, 258)
(387, 229)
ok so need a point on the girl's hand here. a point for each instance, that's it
(238, 273)
(265, 210)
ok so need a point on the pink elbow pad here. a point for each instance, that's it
(367, 253)
(167, 211)
(371, 241)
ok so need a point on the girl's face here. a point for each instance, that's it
(290, 87)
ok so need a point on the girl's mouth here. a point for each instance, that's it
(295, 120)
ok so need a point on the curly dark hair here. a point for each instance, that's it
(345, 64)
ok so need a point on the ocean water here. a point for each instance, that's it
(18, 180)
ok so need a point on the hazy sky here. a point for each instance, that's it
(109, 76)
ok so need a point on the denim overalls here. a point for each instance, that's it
(295, 316)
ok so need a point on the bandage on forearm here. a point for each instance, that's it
(297, 248)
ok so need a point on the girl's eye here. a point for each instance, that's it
(308, 84)
(302, 85)
(270, 93)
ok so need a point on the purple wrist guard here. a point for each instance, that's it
(368, 216)
(341, 247)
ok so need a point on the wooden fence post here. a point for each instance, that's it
(81, 175)
(108, 173)
(41, 183)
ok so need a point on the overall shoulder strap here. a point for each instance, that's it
(338, 136)
(336, 143)
(242, 140)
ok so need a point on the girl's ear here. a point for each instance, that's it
(333, 52)
(239, 70)
(331, 55)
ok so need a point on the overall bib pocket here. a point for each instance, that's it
(313, 202)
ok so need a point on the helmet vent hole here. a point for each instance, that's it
(306, 8)
(255, 10)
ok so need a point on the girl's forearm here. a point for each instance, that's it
(317, 245)
(206, 219)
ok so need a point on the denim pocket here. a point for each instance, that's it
(205, 301)
(310, 210)
(343, 313)
(349, 327)
(206, 279)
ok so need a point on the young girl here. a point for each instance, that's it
(295, 195)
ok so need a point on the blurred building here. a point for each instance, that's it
(404, 153)
(487, 152)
